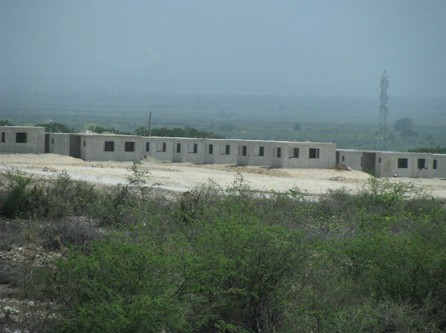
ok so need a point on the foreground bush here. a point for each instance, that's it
(236, 260)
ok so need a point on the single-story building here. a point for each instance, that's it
(22, 139)
(394, 164)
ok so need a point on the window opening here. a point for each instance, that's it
(261, 151)
(227, 149)
(434, 164)
(3, 136)
(129, 146)
(279, 152)
(178, 147)
(211, 149)
(109, 146)
(195, 148)
(402, 163)
(296, 152)
(147, 146)
(421, 163)
(244, 150)
(20, 137)
(314, 153)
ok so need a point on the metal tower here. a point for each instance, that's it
(383, 131)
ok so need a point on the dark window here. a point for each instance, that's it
(109, 146)
(52, 141)
(195, 148)
(402, 163)
(279, 152)
(421, 163)
(343, 158)
(211, 149)
(296, 152)
(129, 146)
(379, 160)
(178, 147)
(3, 136)
(244, 149)
(147, 146)
(261, 151)
(85, 143)
(314, 153)
(227, 149)
(434, 165)
(20, 137)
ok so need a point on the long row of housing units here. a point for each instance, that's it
(274, 154)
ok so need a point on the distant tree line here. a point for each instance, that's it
(187, 132)
(433, 150)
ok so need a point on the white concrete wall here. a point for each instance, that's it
(59, 143)
(387, 165)
(35, 139)
(351, 158)
(93, 147)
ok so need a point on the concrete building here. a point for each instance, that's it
(391, 164)
(22, 139)
(106, 147)
(57, 143)
(277, 154)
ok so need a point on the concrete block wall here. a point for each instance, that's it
(22, 139)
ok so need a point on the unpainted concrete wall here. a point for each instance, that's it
(92, 147)
(34, 137)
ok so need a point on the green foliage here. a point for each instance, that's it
(5, 123)
(237, 260)
(188, 132)
(19, 194)
(55, 127)
(434, 150)
(118, 286)
(403, 124)
(100, 129)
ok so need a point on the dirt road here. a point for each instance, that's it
(182, 177)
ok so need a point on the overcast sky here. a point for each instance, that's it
(313, 47)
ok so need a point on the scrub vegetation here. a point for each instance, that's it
(130, 259)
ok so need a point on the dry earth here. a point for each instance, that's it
(182, 177)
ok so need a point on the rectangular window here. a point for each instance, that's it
(314, 153)
(295, 153)
(211, 149)
(261, 151)
(178, 147)
(3, 136)
(129, 146)
(421, 163)
(343, 158)
(434, 164)
(147, 146)
(379, 160)
(279, 152)
(244, 150)
(20, 137)
(227, 149)
(85, 143)
(195, 148)
(164, 149)
(109, 146)
(402, 163)
(52, 141)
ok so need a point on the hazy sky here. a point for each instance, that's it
(297, 47)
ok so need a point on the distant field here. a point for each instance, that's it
(349, 121)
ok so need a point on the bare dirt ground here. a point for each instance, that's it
(182, 177)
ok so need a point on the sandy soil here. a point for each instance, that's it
(182, 177)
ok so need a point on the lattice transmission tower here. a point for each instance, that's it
(382, 138)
